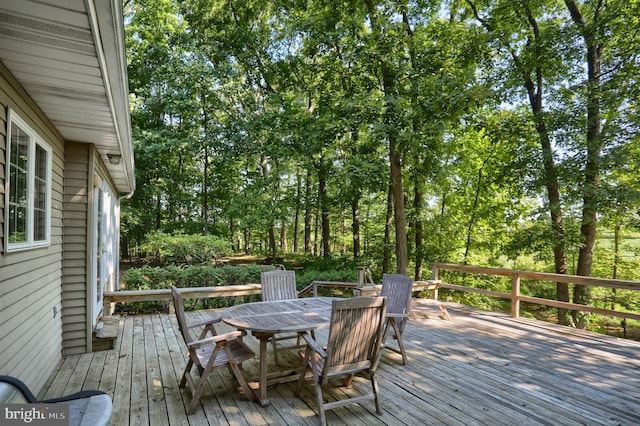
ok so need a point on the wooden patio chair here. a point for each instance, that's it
(280, 285)
(210, 353)
(355, 336)
(397, 289)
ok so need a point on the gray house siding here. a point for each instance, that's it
(31, 280)
(63, 80)
(75, 332)
(3, 156)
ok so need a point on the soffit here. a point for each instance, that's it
(68, 55)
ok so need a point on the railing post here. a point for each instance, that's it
(361, 281)
(361, 277)
(515, 295)
(435, 275)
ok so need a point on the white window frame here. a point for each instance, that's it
(34, 141)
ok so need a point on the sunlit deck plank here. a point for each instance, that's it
(168, 375)
(547, 366)
(478, 368)
(122, 392)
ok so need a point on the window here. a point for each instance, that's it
(28, 187)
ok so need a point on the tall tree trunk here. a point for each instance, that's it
(418, 229)
(534, 87)
(316, 226)
(386, 244)
(271, 233)
(248, 242)
(343, 233)
(355, 228)
(595, 49)
(273, 251)
(616, 253)
(308, 206)
(474, 208)
(395, 162)
(284, 248)
(402, 261)
(232, 235)
(324, 208)
(296, 220)
(158, 212)
(616, 261)
(416, 222)
(124, 247)
(205, 165)
(355, 202)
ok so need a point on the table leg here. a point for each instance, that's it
(262, 397)
(261, 392)
(264, 380)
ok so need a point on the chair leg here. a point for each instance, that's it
(187, 370)
(348, 379)
(197, 390)
(319, 400)
(203, 373)
(374, 385)
(303, 371)
(275, 349)
(385, 332)
(401, 346)
(317, 383)
(237, 372)
(398, 336)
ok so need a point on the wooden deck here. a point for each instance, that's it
(478, 368)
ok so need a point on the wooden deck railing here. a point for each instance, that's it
(126, 296)
(362, 287)
(516, 297)
(366, 286)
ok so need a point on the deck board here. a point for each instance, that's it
(477, 368)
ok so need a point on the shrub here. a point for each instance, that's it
(184, 276)
(184, 249)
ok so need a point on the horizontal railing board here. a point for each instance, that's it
(542, 276)
(516, 297)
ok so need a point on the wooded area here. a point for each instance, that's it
(487, 132)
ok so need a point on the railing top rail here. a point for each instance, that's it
(546, 276)
(314, 284)
(188, 292)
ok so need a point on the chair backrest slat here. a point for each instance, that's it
(278, 285)
(397, 289)
(354, 333)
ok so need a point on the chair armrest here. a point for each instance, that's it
(214, 319)
(314, 345)
(77, 395)
(9, 386)
(397, 315)
(218, 338)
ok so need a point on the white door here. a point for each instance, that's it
(104, 246)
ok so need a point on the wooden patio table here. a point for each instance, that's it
(263, 319)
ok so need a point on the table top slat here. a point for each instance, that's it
(280, 316)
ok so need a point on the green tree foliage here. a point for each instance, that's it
(481, 131)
